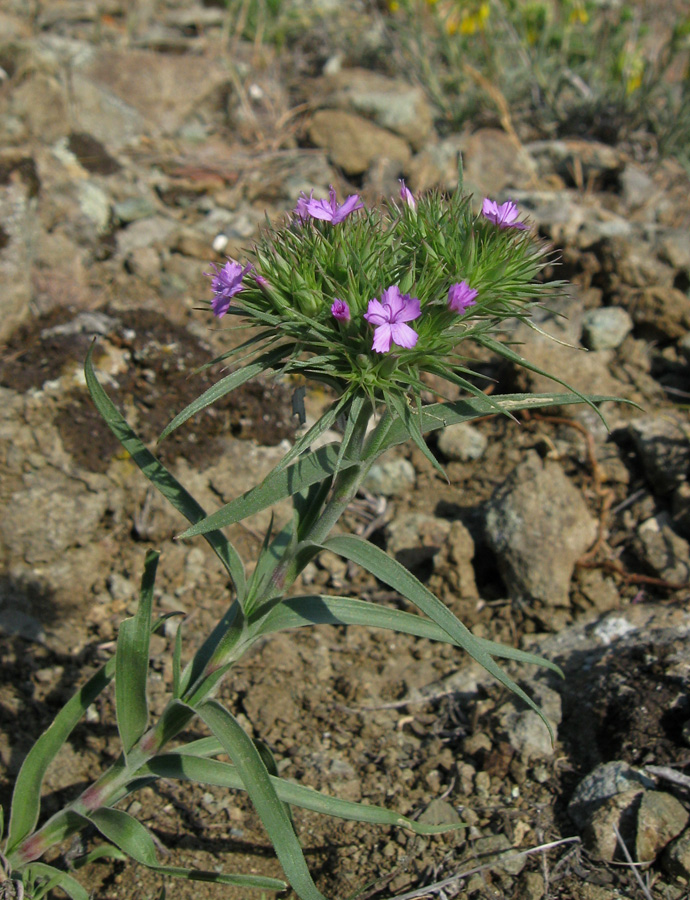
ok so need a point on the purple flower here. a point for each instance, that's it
(340, 310)
(461, 296)
(328, 210)
(504, 215)
(303, 201)
(406, 194)
(225, 284)
(389, 317)
(261, 281)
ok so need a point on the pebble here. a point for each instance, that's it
(676, 858)
(606, 328)
(415, 538)
(662, 444)
(391, 477)
(660, 818)
(462, 442)
(537, 507)
(606, 780)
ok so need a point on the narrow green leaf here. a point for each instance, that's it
(507, 353)
(225, 385)
(177, 663)
(438, 415)
(412, 424)
(26, 798)
(57, 879)
(323, 609)
(103, 851)
(185, 767)
(312, 434)
(161, 479)
(238, 745)
(136, 841)
(308, 470)
(392, 573)
(132, 662)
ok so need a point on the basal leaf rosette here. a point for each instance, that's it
(367, 300)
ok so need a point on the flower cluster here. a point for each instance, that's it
(388, 315)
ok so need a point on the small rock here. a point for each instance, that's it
(440, 812)
(662, 311)
(496, 851)
(606, 328)
(606, 780)
(532, 886)
(526, 732)
(676, 859)
(564, 157)
(664, 551)
(455, 563)
(616, 812)
(675, 249)
(538, 507)
(391, 478)
(493, 162)
(353, 143)
(660, 818)
(390, 102)
(462, 442)
(664, 450)
(637, 186)
(132, 209)
(415, 538)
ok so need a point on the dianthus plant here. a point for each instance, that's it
(377, 304)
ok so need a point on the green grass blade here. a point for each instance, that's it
(257, 782)
(392, 573)
(308, 470)
(323, 609)
(132, 662)
(26, 802)
(136, 841)
(57, 879)
(225, 385)
(222, 774)
(161, 479)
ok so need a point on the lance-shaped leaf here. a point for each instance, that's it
(211, 771)
(323, 609)
(439, 415)
(132, 662)
(308, 470)
(161, 479)
(136, 841)
(392, 573)
(26, 798)
(257, 782)
(55, 878)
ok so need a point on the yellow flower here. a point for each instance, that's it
(579, 15)
(393, 6)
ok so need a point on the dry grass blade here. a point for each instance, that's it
(632, 864)
(439, 886)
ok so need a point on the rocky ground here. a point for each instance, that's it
(140, 141)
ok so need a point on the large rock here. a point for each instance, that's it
(538, 525)
(354, 143)
(493, 161)
(390, 102)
